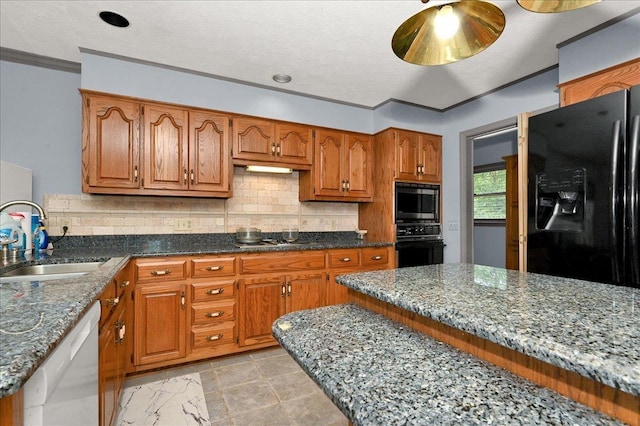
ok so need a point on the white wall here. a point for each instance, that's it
(41, 126)
(609, 46)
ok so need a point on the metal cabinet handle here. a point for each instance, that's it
(112, 302)
(283, 290)
(215, 291)
(278, 151)
(135, 173)
(182, 300)
(160, 272)
(192, 176)
(124, 284)
(214, 314)
(214, 268)
(348, 185)
(273, 149)
(214, 337)
(120, 332)
(289, 289)
(376, 257)
(184, 171)
(345, 259)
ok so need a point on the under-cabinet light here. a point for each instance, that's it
(269, 169)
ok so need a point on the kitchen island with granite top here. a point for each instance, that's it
(35, 316)
(576, 337)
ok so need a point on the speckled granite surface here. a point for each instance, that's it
(379, 372)
(589, 328)
(35, 316)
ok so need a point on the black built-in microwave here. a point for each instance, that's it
(417, 202)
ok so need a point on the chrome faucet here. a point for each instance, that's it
(25, 203)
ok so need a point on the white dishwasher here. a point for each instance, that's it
(64, 389)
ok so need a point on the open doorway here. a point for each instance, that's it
(481, 147)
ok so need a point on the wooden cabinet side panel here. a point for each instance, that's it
(165, 147)
(111, 145)
(160, 324)
(208, 152)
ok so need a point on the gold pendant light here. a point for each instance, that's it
(448, 33)
(554, 6)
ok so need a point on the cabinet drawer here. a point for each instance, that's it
(282, 262)
(213, 336)
(344, 258)
(375, 256)
(213, 267)
(213, 312)
(208, 291)
(160, 270)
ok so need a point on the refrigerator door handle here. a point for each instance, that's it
(634, 198)
(615, 185)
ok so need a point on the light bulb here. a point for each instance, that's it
(446, 23)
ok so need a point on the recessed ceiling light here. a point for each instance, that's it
(281, 78)
(114, 19)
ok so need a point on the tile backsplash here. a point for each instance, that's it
(269, 202)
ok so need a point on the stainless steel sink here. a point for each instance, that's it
(52, 271)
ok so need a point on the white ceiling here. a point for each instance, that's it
(337, 50)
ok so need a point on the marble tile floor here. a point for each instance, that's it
(264, 387)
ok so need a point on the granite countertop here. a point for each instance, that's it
(379, 372)
(589, 328)
(36, 315)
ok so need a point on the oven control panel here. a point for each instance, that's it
(418, 231)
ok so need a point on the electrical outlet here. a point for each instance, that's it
(64, 222)
(183, 225)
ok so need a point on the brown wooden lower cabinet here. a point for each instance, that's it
(160, 322)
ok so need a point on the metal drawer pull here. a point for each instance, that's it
(112, 302)
(161, 272)
(215, 268)
(376, 257)
(124, 284)
(214, 337)
(214, 314)
(345, 259)
(215, 291)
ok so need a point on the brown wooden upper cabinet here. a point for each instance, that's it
(272, 143)
(342, 168)
(418, 156)
(185, 151)
(609, 80)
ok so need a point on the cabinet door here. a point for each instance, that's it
(431, 158)
(253, 139)
(111, 143)
(359, 165)
(208, 152)
(306, 291)
(294, 144)
(160, 322)
(261, 302)
(165, 147)
(407, 155)
(328, 167)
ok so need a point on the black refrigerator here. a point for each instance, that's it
(583, 190)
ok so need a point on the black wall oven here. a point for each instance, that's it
(418, 230)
